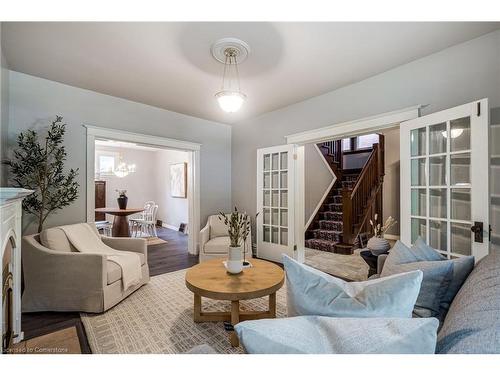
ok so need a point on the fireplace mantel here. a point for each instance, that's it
(10, 229)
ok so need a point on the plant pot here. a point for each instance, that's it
(378, 245)
(122, 202)
(234, 262)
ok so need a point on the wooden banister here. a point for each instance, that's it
(361, 202)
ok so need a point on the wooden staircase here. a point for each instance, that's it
(354, 198)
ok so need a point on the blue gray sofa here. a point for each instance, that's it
(472, 324)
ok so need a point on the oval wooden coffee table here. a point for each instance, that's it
(211, 280)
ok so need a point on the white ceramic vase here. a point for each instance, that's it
(234, 262)
(378, 245)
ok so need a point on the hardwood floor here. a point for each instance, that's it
(162, 258)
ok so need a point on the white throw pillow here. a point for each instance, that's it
(325, 335)
(312, 292)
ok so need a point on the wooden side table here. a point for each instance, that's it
(211, 280)
(120, 223)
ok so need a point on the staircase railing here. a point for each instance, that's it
(333, 153)
(364, 199)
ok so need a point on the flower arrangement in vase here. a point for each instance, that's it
(378, 244)
(238, 229)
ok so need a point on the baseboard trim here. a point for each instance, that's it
(168, 226)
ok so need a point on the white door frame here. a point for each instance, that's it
(353, 128)
(193, 193)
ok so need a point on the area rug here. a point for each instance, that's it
(158, 318)
(349, 267)
(155, 241)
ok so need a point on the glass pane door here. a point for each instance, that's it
(440, 185)
(445, 194)
(274, 232)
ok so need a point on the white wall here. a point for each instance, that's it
(4, 111)
(35, 101)
(390, 193)
(321, 177)
(171, 210)
(451, 77)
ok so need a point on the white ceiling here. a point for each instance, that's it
(169, 65)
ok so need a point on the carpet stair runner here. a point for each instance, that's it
(325, 233)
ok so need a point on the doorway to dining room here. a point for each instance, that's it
(143, 186)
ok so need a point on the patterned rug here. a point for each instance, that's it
(158, 318)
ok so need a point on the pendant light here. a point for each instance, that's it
(230, 52)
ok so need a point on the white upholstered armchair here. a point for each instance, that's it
(214, 241)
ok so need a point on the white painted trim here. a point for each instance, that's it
(299, 203)
(320, 203)
(168, 226)
(355, 127)
(95, 132)
(150, 140)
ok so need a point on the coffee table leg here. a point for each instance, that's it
(235, 319)
(197, 308)
(272, 305)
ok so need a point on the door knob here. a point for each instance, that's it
(477, 228)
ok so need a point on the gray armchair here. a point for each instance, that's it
(59, 278)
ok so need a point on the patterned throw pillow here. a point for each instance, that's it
(312, 292)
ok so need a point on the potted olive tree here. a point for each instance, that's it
(38, 164)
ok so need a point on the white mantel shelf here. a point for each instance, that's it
(10, 194)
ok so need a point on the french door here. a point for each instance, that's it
(445, 180)
(275, 198)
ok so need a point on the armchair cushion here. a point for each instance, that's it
(217, 227)
(219, 245)
(55, 239)
(114, 271)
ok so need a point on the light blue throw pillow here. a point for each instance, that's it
(424, 252)
(462, 267)
(312, 292)
(325, 335)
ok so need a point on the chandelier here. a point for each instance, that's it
(123, 169)
(230, 52)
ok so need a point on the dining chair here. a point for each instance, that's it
(135, 222)
(148, 225)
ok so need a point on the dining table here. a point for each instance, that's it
(120, 222)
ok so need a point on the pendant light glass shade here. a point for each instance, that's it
(230, 101)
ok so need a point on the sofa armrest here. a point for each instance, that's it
(204, 236)
(136, 245)
(380, 262)
(60, 277)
